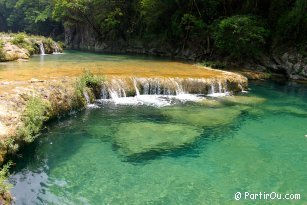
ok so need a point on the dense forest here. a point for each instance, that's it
(237, 28)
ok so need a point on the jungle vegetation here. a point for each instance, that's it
(233, 27)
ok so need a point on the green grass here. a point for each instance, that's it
(35, 114)
(5, 186)
(38, 111)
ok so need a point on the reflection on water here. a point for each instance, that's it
(189, 153)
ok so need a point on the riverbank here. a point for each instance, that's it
(20, 46)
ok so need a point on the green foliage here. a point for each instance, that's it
(292, 26)
(33, 118)
(9, 145)
(31, 16)
(4, 185)
(111, 21)
(20, 40)
(174, 23)
(190, 21)
(48, 45)
(1, 50)
(89, 83)
(214, 64)
(241, 36)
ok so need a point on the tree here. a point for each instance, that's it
(292, 25)
(241, 36)
(32, 16)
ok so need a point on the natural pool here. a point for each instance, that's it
(73, 63)
(186, 153)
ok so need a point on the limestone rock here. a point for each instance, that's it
(201, 116)
(143, 137)
(243, 100)
(3, 130)
(13, 52)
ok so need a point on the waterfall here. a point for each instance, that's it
(220, 87)
(104, 92)
(212, 88)
(179, 89)
(87, 97)
(136, 88)
(56, 49)
(42, 49)
(162, 91)
(116, 89)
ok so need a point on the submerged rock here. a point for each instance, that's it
(204, 117)
(243, 100)
(211, 103)
(232, 101)
(138, 138)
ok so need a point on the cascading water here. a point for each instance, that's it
(160, 91)
(137, 92)
(87, 97)
(212, 88)
(56, 49)
(42, 49)
(220, 87)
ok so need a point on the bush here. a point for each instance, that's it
(20, 40)
(292, 26)
(4, 185)
(33, 118)
(89, 83)
(48, 45)
(2, 55)
(241, 36)
(214, 64)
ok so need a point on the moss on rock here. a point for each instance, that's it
(22, 46)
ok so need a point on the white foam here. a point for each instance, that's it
(153, 100)
(92, 106)
(187, 97)
(216, 95)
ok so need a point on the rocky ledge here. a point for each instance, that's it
(21, 46)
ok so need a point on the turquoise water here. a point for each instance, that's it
(188, 153)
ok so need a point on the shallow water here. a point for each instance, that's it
(185, 153)
(73, 63)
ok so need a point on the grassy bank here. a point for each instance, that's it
(47, 101)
